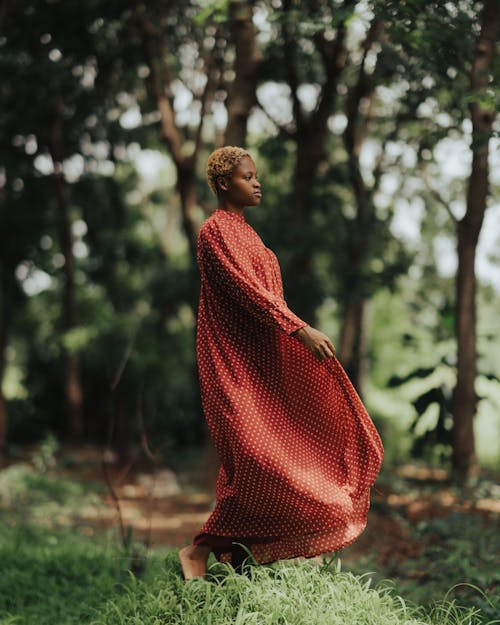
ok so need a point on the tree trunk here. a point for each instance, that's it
(72, 387)
(351, 349)
(310, 136)
(358, 252)
(241, 96)
(353, 297)
(464, 400)
(301, 264)
(3, 321)
(3, 346)
(464, 395)
(186, 182)
(3, 12)
(160, 81)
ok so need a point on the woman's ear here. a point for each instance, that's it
(222, 183)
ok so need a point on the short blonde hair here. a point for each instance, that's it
(222, 162)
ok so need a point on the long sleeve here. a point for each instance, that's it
(225, 263)
(278, 416)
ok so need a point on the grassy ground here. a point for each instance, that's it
(458, 557)
(59, 569)
(439, 540)
(60, 578)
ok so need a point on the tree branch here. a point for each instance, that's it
(205, 102)
(436, 195)
(291, 65)
(153, 46)
(363, 88)
(333, 55)
(286, 132)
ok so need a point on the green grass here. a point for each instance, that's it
(459, 555)
(43, 498)
(62, 578)
(53, 575)
(285, 593)
(465, 546)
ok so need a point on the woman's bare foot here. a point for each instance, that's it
(193, 559)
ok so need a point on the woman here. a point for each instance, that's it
(298, 450)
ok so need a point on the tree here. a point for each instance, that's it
(345, 77)
(73, 386)
(449, 52)
(165, 30)
(161, 77)
(241, 97)
(324, 29)
(482, 115)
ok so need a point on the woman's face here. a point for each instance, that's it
(242, 188)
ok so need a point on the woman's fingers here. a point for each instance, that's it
(317, 342)
(326, 350)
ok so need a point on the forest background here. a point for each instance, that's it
(375, 132)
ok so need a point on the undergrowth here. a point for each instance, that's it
(52, 577)
(284, 593)
(458, 557)
(62, 578)
(53, 574)
(468, 547)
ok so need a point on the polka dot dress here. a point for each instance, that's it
(298, 450)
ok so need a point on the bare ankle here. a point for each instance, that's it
(193, 560)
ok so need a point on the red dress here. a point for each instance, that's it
(298, 450)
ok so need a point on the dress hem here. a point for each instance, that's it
(223, 546)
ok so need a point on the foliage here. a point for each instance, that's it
(413, 356)
(52, 577)
(467, 545)
(136, 283)
(31, 496)
(285, 592)
(461, 548)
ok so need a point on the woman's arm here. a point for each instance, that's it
(227, 266)
(224, 261)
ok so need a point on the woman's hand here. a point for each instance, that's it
(317, 342)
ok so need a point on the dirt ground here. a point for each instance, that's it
(166, 508)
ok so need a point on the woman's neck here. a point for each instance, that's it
(230, 207)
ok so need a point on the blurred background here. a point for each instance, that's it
(374, 129)
(374, 132)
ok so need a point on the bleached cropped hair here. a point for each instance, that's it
(222, 162)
